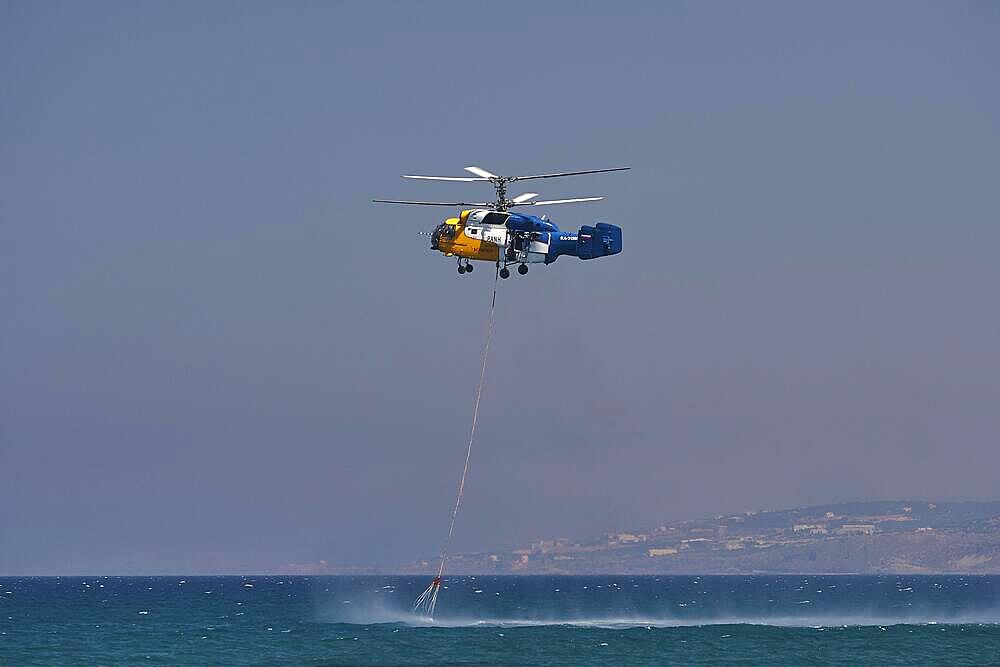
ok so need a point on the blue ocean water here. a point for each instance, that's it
(511, 620)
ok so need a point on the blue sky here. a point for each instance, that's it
(218, 355)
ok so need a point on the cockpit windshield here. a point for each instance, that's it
(442, 231)
(495, 218)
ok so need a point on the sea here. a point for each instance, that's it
(501, 620)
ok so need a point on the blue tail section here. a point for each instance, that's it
(597, 241)
(590, 242)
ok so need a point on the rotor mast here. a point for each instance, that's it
(500, 183)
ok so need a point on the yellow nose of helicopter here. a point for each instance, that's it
(443, 236)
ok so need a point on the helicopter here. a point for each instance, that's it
(490, 232)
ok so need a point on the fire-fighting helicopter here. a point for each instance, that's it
(489, 231)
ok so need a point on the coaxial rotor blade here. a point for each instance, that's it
(465, 179)
(558, 201)
(475, 204)
(566, 173)
(520, 199)
(479, 171)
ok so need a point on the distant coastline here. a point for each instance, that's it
(899, 537)
(878, 537)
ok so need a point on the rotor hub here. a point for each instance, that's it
(500, 184)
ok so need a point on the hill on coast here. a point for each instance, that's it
(909, 537)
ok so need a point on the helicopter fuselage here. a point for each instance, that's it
(500, 236)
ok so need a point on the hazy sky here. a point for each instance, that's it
(217, 355)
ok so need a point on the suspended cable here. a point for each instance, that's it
(427, 600)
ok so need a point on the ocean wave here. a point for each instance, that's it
(618, 623)
(684, 602)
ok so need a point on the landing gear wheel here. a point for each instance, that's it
(461, 269)
(522, 269)
(469, 267)
(505, 273)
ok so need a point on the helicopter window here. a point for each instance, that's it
(473, 232)
(445, 231)
(495, 218)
